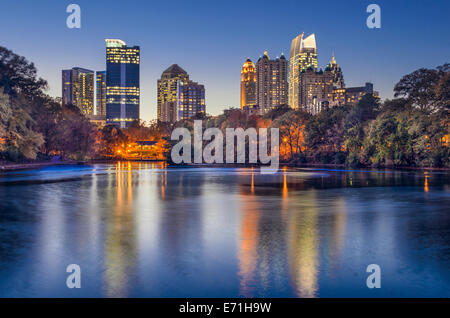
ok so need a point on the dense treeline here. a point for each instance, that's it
(32, 124)
(410, 130)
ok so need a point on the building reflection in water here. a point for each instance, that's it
(120, 245)
(303, 242)
(262, 248)
(248, 242)
(336, 236)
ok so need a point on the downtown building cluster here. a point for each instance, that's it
(112, 96)
(265, 86)
(117, 90)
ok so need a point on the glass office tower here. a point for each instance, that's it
(303, 57)
(122, 83)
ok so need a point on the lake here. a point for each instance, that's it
(145, 230)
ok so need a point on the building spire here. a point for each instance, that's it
(333, 59)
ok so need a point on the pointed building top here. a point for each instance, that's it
(333, 59)
(174, 70)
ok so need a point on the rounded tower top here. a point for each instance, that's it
(248, 65)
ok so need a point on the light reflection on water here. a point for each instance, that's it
(145, 230)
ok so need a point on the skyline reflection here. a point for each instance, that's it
(145, 230)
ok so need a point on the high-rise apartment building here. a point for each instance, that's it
(303, 56)
(78, 89)
(100, 109)
(168, 92)
(271, 82)
(122, 83)
(190, 100)
(248, 84)
(315, 90)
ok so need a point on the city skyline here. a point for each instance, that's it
(383, 54)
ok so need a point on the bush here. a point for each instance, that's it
(12, 154)
(298, 159)
(353, 160)
(339, 158)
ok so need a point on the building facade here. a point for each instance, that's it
(338, 76)
(354, 94)
(190, 100)
(122, 83)
(271, 82)
(351, 95)
(303, 56)
(100, 107)
(248, 84)
(169, 112)
(168, 92)
(98, 120)
(315, 90)
(78, 89)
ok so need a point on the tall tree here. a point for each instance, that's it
(428, 89)
(17, 75)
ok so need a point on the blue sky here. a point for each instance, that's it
(212, 39)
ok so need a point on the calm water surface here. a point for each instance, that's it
(140, 230)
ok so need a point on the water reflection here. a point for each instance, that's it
(120, 238)
(303, 247)
(142, 229)
(248, 243)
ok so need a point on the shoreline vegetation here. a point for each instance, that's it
(9, 166)
(410, 131)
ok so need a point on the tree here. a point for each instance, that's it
(76, 135)
(291, 125)
(5, 114)
(428, 89)
(18, 76)
(112, 141)
(20, 136)
(277, 112)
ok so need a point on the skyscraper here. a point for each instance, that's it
(248, 84)
(303, 56)
(271, 82)
(190, 100)
(101, 93)
(78, 89)
(122, 83)
(315, 90)
(168, 92)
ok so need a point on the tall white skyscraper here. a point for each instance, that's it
(303, 57)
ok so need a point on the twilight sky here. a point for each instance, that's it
(212, 39)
